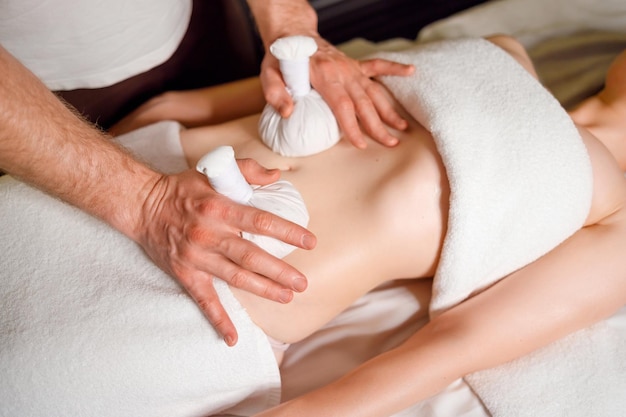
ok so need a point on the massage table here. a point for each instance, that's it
(572, 44)
(388, 315)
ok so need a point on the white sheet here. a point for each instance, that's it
(388, 315)
(572, 67)
(91, 327)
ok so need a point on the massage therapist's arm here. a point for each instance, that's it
(343, 82)
(183, 225)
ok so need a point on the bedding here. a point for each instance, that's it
(513, 152)
(101, 322)
(571, 44)
(453, 90)
(387, 316)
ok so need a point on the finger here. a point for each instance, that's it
(370, 119)
(250, 259)
(257, 174)
(237, 217)
(274, 87)
(244, 265)
(200, 287)
(252, 220)
(384, 106)
(250, 268)
(378, 67)
(343, 108)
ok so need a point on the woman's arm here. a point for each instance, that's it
(579, 283)
(200, 107)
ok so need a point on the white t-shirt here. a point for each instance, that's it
(73, 44)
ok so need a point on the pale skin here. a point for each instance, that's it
(181, 223)
(358, 102)
(374, 235)
(176, 219)
(603, 113)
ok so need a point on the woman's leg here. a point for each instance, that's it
(605, 113)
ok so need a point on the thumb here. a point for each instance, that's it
(274, 88)
(256, 173)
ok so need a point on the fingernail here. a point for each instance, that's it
(285, 296)
(308, 241)
(230, 341)
(392, 141)
(299, 284)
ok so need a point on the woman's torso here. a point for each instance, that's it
(378, 214)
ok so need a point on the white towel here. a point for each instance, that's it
(90, 327)
(520, 183)
(530, 21)
(498, 132)
(571, 42)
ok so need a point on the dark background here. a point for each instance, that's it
(375, 20)
(343, 20)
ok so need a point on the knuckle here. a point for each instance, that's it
(251, 259)
(213, 311)
(363, 103)
(268, 293)
(324, 63)
(219, 208)
(345, 104)
(198, 234)
(372, 66)
(372, 89)
(195, 233)
(239, 279)
(207, 305)
(212, 207)
(263, 221)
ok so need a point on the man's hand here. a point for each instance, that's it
(347, 86)
(188, 229)
(193, 233)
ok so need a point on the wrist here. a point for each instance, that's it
(130, 205)
(280, 18)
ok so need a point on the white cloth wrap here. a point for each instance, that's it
(280, 198)
(521, 183)
(91, 327)
(312, 127)
(222, 171)
(293, 54)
